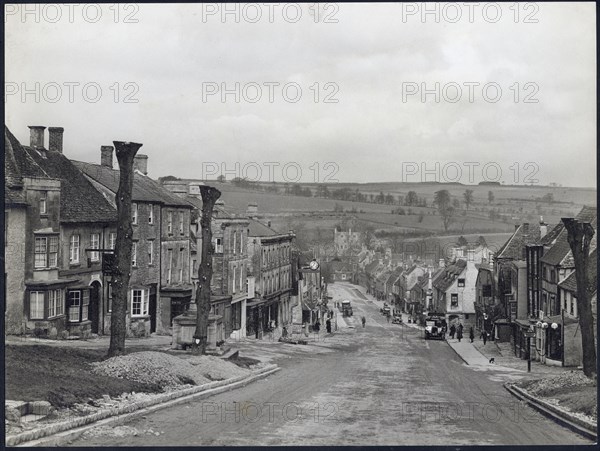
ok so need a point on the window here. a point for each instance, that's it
(74, 301)
(170, 222)
(218, 246)
(552, 275)
(74, 249)
(95, 244)
(461, 283)
(454, 300)
(241, 277)
(169, 265)
(139, 302)
(43, 203)
(85, 305)
(234, 242)
(150, 252)
(109, 296)
(194, 268)
(112, 240)
(134, 254)
(181, 259)
(36, 305)
(572, 305)
(241, 242)
(134, 213)
(46, 252)
(234, 279)
(150, 214)
(181, 217)
(56, 307)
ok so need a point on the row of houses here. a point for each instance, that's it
(527, 287)
(531, 286)
(60, 228)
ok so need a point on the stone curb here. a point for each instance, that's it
(55, 434)
(583, 427)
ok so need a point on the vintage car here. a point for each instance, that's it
(397, 319)
(435, 327)
(346, 308)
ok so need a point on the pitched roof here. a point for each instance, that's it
(570, 283)
(514, 248)
(449, 275)
(257, 228)
(79, 200)
(560, 252)
(144, 188)
(13, 181)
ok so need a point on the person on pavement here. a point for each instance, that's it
(328, 326)
(363, 321)
(471, 334)
(452, 331)
(317, 326)
(459, 333)
(484, 337)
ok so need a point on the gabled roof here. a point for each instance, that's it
(570, 283)
(79, 200)
(144, 188)
(449, 274)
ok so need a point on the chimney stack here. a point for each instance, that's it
(36, 136)
(543, 227)
(140, 162)
(252, 210)
(106, 156)
(55, 138)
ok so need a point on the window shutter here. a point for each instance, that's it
(147, 302)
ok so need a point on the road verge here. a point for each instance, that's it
(62, 432)
(561, 416)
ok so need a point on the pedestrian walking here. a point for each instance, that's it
(452, 331)
(363, 320)
(484, 337)
(388, 318)
(471, 334)
(459, 334)
(328, 326)
(317, 326)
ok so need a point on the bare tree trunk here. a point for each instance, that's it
(210, 196)
(579, 235)
(120, 280)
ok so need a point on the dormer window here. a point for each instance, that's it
(461, 283)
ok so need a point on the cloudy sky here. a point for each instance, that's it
(348, 92)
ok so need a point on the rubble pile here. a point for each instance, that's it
(166, 370)
(561, 382)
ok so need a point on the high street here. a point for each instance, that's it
(379, 385)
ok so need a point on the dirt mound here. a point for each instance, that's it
(166, 370)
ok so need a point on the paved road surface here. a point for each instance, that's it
(381, 385)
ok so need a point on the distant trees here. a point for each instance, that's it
(468, 198)
(221, 179)
(456, 203)
(548, 198)
(443, 201)
(412, 199)
(481, 241)
(491, 197)
(462, 241)
(322, 191)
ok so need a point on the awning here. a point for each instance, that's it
(251, 303)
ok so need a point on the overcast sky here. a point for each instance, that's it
(370, 58)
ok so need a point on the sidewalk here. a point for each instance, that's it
(154, 342)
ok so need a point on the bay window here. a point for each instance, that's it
(36, 305)
(78, 302)
(56, 306)
(112, 240)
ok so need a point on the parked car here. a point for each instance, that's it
(435, 327)
(346, 308)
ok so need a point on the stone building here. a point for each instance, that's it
(160, 285)
(55, 217)
(269, 261)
